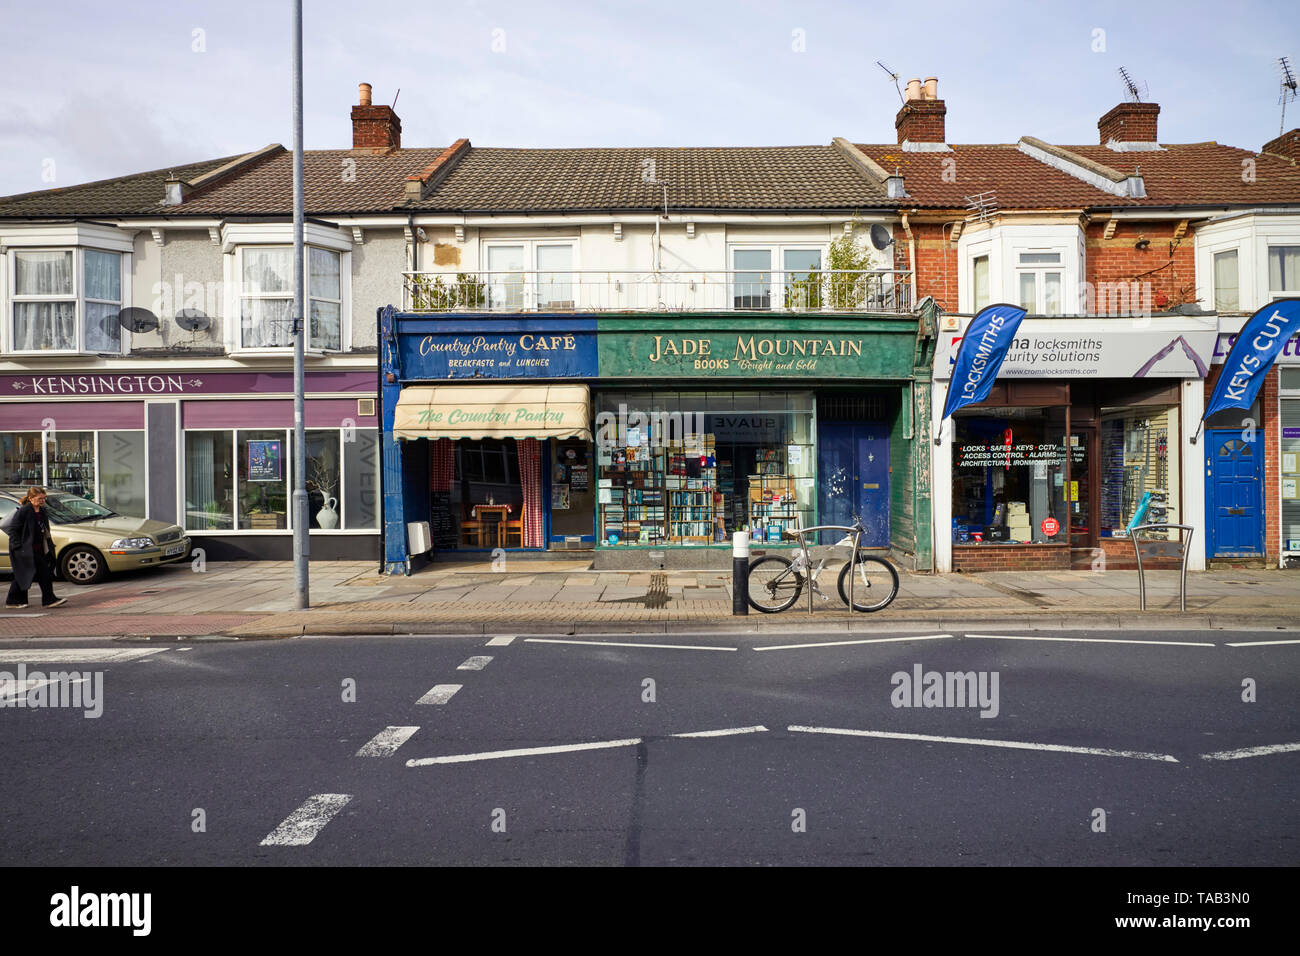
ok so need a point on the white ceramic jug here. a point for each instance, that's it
(328, 517)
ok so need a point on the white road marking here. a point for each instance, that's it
(524, 752)
(1252, 752)
(386, 742)
(302, 826)
(95, 655)
(675, 647)
(1087, 640)
(475, 663)
(440, 694)
(979, 742)
(1260, 643)
(759, 729)
(504, 640)
(873, 640)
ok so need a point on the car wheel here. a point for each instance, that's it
(83, 565)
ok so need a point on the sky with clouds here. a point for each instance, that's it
(95, 90)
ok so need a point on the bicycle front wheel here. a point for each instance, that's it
(875, 582)
(774, 584)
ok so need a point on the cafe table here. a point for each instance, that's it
(481, 513)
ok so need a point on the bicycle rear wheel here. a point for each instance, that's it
(875, 582)
(774, 584)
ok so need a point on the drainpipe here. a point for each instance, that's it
(911, 253)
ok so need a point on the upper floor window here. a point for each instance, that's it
(1227, 282)
(758, 271)
(266, 297)
(530, 274)
(1038, 282)
(65, 300)
(1283, 271)
(980, 272)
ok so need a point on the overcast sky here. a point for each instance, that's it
(95, 90)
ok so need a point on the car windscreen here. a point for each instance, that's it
(67, 509)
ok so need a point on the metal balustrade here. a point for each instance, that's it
(884, 290)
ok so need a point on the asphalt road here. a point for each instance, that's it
(259, 737)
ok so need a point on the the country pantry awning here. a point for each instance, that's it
(493, 411)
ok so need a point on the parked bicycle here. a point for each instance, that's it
(867, 582)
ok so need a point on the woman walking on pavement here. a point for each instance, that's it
(31, 552)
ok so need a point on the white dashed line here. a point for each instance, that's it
(386, 742)
(1260, 643)
(759, 729)
(440, 694)
(90, 655)
(475, 663)
(504, 640)
(979, 742)
(302, 826)
(524, 752)
(873, 640)
(1088, 640)
(1252, 752)
(675, 647)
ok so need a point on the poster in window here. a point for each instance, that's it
(1289, 488)
(559, 473)
(578, 478)
(264, 461)
(559, 497)
(1289, 463)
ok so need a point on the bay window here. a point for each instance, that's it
(1227, 283)
(65, 300)
(1283, 271)
(266, 297)
(1038, 282)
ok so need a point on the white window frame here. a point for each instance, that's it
(1268, 253)
(530, 300)
(1213, 276)
(1251, 235)
(1040, 272)
(236, 237)
(77, 297)
(779, 277)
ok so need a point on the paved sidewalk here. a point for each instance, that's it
(254, 599)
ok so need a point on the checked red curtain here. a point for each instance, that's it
(530, 476)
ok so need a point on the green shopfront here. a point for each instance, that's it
(648, 440)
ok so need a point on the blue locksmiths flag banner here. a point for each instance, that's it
(1261, 341)
(980, 355)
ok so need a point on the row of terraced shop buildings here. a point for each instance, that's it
(634, 353)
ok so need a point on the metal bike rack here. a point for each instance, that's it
(1162, 548)
(807, 556)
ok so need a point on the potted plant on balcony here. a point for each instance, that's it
(432, 294)
(847, 284)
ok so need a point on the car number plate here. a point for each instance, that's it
(174, 549)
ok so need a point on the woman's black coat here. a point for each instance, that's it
(27, 545)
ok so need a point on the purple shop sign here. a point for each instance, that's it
(149, 384)
(1291, 433)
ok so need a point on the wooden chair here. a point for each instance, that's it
(515, 529)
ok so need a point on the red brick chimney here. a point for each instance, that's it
(375, 127)
(1130, 123)
(920, 120)
(1287, 146)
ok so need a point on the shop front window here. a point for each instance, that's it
(209, 481)
(122, 472)
(690, 468)
(262, 460)
(1010, 477)
(21, 458)
(323, 479)
(70, 462)
(1139, 468)
(1289, 459)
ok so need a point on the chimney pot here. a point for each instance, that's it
(374, 127)
(913, 90)
(931, 87)
(365, 94)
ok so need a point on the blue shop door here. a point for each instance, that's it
(853, 474)
(1233, 470)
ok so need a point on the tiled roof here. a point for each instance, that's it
(334, 181)
(137, 194)
(1180, 174)
(554, 180)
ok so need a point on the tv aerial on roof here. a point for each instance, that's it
(1133, 92)
(137, 320)
(1288, 91)
(893, 76)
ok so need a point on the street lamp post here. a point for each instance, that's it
(301, 539)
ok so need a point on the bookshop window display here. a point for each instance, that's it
(690, 468)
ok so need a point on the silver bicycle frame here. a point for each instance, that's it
(803, 546)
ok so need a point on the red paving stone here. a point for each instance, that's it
(55, 624)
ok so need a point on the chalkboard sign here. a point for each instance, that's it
(441, 526)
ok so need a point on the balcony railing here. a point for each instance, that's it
(884, 290)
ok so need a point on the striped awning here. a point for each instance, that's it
(493, 411)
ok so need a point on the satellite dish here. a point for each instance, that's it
(192, 320)
(880, 237)
(137, 320)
